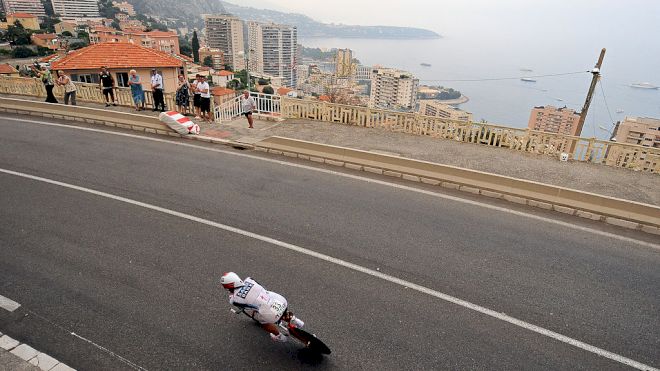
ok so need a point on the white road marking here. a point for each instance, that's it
(360, 178)
(355, 267)
(8, 304)
(126, 361)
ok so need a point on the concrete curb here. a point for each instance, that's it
(25, 357)
(623, 213)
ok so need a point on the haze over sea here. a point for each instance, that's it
(557, 41)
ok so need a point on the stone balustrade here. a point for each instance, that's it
(630, 156)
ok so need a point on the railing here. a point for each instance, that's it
(267, 104)
(524, 140)
(84, 92)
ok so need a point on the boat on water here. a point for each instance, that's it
(619, 110)
(644, 85)
(527, 79)
(425, 65)
(559, 99)
(527, 70)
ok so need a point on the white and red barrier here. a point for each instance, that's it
(179, 123)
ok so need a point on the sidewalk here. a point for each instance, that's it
(600, 179)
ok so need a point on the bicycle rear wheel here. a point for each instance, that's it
(310, 340)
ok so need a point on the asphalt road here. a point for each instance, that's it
(139, 287)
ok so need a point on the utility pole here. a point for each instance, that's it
(594, 80)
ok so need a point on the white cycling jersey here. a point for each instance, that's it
(263, 305)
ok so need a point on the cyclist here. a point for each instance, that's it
(266, 307)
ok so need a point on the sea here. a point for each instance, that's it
(488, 71)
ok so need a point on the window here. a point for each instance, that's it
(122, 79)
(84, 78)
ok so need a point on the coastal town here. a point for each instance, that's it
(233, 55)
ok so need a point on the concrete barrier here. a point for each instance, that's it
(85, 114)
(565, 200)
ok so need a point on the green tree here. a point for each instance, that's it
(185, 47)
(23, 52)
(107, 10)
(48, 7)
(195, 47)
(115, 25)
(18, 35)
(77, 45)
(208, 61)
(48, 25)
(268, 90)
(67, 34)
(83, 35)
(263, 81)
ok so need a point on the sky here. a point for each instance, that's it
(450, 17)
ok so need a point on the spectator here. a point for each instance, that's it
(47, 78)
(157, 90)
(137, 92)
(107, 85)
(248, 105)
(69, 87)
(205, 99)
(197, 97)
(183, 95)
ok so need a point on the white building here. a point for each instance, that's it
(34, 7)
(222, 77)
(225, 32)
(430, 107)
(72, 9)
(273, 48)
(363, 73)
(302, 73)
(393, 89)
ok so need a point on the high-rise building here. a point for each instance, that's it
(73, 9)
(216, 55)
(273, 49)
(363, 73)
(643, 131)
(554, 120)
(344, 66)
(34, 7)
(392, 88)
(225, 32)
(429, 107)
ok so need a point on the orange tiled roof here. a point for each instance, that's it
(219, 90)
(21, 15)
(44, 36)
(283, 91)
(116, 55)
(185, 58)
(5, 68)
(325, 98)
(224, 73)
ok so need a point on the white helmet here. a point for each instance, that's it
(231, 280)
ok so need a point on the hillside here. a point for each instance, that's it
(307, 27)
(189, 11)
(185, 10)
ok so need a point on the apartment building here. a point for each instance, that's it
(363, 73)
(225, 32)
(393, 89)
(27, 20)
(554, 120)
(34, 7)
(643, 131)
(344, 66)
(430, 107)
(273, 49)
(124, 7)
(217, 57)
(73, 9)
(302, 73)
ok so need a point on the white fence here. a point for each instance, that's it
(267, 104)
